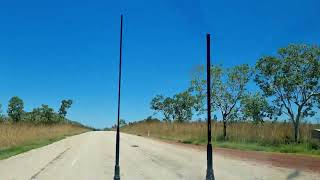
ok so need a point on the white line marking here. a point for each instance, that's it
(74, 162)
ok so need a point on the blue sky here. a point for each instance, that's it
(52, 50)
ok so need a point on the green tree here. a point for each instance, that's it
(15, 108)
(183, 104)
(122, 123)
(255, 107)
(228, 87)
(151, 119)
(163, 105)
(291, 79)
(44, 114)
(1, 115)
(65, 105)
(47, 114)
(178, 108)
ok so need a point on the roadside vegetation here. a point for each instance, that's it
(21, 131)
(276, 114)
(270, 136)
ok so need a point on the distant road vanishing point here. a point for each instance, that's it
(90, 156)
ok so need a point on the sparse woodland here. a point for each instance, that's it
(281, 109)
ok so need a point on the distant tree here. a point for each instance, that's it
(291, 79)
(178, 108)
(44, 114)
(151, 119)
(163, 105)
(183, 104)
(47, 113)
(255, 107)
(15, 109)
(65, 105)
(122, 123)
(215, 118)
(228, 88)
(1, 115)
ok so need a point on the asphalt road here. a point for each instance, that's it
(90, 156)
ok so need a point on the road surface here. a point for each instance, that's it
(90, 156)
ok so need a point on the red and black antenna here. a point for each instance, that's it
(210, 174)
(117, 167)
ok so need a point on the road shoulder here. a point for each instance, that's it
(291, 161)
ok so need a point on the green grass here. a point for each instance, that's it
(16, 138)
(301, 149)
(12, 151)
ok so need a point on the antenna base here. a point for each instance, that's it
(210, 175)
(116, 173)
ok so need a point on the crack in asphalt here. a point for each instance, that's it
(47, 165)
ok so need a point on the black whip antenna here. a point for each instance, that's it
(210, 174)
(117, 167)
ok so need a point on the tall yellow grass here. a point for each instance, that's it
(196, 132)
(23, 133)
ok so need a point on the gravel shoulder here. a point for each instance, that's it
(292, 161)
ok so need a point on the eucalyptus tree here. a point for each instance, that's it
(228, 86)
(164, 105)
(256, 108)
(291, 79)
(183, 106)
(15, 109)
(1, 115)
(65, 105)
(177, 108)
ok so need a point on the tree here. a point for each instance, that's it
(15, 108)
(215, 118)
(44, 114)
(292, 80)
(47, 114)
(122, 123)
(183, 105)
(228, 87)
(1, 115)
(65, 105)
(150, 119)
(178, 108)
(161, 104)
(255, 107)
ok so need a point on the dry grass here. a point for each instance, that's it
(13, 135)
(195, 132)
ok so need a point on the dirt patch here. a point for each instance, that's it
(298, 162)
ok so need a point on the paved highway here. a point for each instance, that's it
(90, 156)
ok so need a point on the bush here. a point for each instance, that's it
(314, 144)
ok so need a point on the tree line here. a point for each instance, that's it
(42, 115)
(287, 86)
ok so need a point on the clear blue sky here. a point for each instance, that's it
(51, 50)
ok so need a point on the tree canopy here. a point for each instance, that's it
(255, 107)
(292, 80)
(65, 105)
(228, 86)
(15, 108)
(178, 108)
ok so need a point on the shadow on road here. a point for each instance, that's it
(293, 175)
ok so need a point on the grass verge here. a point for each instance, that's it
(20, 138)
(299, 149)
(270, 137)
(6, 153)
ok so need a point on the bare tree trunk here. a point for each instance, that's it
(224, 129)
(296, 124)
(296, 131)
